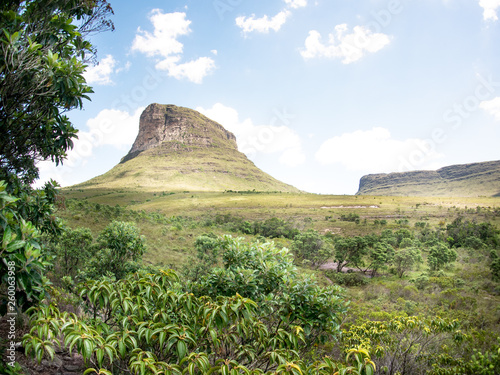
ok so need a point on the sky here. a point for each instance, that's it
(317, 92)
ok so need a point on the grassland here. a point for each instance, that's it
(188, 211)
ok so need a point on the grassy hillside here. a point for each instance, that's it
(320, 212)
(176, 168)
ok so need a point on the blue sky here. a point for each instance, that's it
(317, 92)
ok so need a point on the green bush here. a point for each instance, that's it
(347, 279)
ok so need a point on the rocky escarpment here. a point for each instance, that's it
(179, 149)
(179, 126)
(466, 180)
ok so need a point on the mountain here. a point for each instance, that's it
(179, 149)
(465, 180)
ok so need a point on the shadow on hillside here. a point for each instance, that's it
(497, 194)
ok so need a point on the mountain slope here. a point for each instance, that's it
(465, 180)
(179, 149)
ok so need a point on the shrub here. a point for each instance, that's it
(347, 279)
(118, 246)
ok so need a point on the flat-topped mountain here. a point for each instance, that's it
(465, 180)
(180, 149)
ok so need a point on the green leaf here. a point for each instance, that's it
(181, 349)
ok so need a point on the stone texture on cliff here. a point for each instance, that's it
(178, 125)
(466, 180)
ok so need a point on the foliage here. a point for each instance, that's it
(266, 274)
(207, 257)
(380, 254)
(352, 217)
(43, 52)
(405, 259)
(495, 265)
(23, 261)
(118, 246)
(349, 250)
(274, 228)
(72, 250)
(466, 233)
(312, 247)
(487, 363)
(146, 323)
(402, 344)
(346, 279)
(440, 255)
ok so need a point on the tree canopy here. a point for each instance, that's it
(44, 49)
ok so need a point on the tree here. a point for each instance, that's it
(72, 249)
(440, 255)
(312, 247)
(405, 259)
(495, 265)
(118, 246)
(349, 250)
(43, 54)
(380, 254)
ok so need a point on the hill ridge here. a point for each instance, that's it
(464, 180)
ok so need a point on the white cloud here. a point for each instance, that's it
(163, 44)
(375, 151)
(253, 139)
(194, 70)
(349, 47)
(490, 9)
(263, 24)
(110, 127)
(293, 157)
(100, 74)
(296, 3)
(492, 107)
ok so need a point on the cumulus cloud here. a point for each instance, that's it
(490, 9)
(111, 127)
(375, 151)
(100, 74)
(263, 24)
(296, 3)
(253, 139)
(492, 107)
(345, 45)
(163, 45)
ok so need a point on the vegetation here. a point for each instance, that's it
(139, 281)
(41, 77)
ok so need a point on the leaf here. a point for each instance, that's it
(181, 349)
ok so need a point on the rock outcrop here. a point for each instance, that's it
(181, 126)
(466, 180)
(179, 149)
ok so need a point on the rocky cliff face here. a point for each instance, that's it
(467, 180)
(182, 126)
